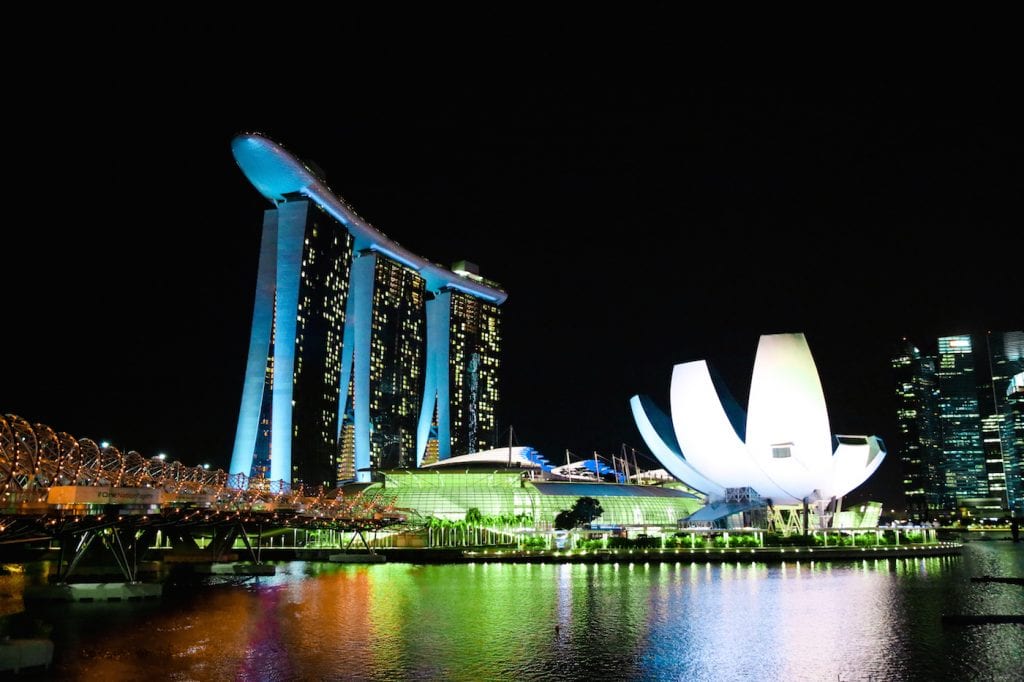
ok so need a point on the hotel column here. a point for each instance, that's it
(290, 242)
(435, 385)
(259, 347)
(360, 320)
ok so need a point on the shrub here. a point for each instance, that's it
(674, 541)
(745, 541)
(535, 542)
(696, 542)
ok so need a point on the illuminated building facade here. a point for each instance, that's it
(298, 318)
(450, 494)
(958, 424)
(385, 341)
(960, 421)
(781, 449)
(1015, 467)
(391, 358)
(461, 393)
(514, 483)
(917, 419)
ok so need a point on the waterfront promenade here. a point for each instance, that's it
(761, 554)
(462, 555)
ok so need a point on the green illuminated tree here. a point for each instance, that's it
(565, 520)
(584, 510)
(474, 519)
(587, 509)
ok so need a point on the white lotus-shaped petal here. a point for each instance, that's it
(855, 459)
(656, 430)
(783, 449)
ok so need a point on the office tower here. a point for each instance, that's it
(290, 395)
(916, 395)
(960, 420)
(1001, 414)
(1015, 465)
(956, 415)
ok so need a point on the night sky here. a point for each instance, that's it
(636, 223)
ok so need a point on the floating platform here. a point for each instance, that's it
(145, 570)
(965, 619)
(993, 579)
(18, 654)
(349, 558)
(234, 569)
(86, 592)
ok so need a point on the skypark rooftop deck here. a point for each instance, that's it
(277, 173)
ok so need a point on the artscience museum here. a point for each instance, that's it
(779, 455)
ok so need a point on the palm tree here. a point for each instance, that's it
(435, 524)
(473, 519)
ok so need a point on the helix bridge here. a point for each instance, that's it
(75, 493)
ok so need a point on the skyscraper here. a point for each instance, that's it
(960, 420)
(461, 393)
(959, 448)
(473, 373)
(1015, 467)
(356, 342)
(1002, 415)
(301, 289)
(916, 417)
(382, 374)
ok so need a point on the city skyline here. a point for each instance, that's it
(960, 420)
(631, 235)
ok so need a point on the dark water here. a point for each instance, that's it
(870, 620)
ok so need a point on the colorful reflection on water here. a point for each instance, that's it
(868, 620)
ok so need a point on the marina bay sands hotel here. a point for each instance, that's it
(362, 354)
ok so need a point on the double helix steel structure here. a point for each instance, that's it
(57, 487)
(34, 458)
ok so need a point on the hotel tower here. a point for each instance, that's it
(362, 355)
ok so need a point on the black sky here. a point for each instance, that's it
(635, 221)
